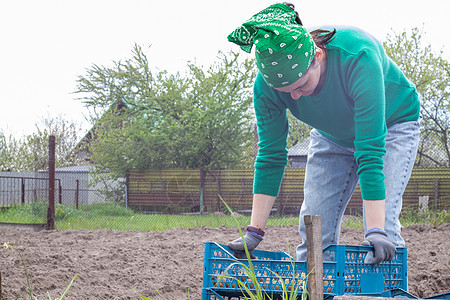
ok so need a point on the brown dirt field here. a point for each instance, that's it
(110, 263)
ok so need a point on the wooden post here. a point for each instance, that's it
(219, 191)
(436, 194)
(314, 259)
(51, 184)
(23, 194)
(127, 184)
(202, 189)
(77, 192)
(59, 193)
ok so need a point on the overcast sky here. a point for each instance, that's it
(47, 44)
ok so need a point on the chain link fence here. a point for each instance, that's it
(161, 199)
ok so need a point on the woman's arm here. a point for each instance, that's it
(374, 210)
(262, 205)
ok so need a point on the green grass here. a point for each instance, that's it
(116, 217)
(29, 213)
(355, 222)
(411, 216)
(145, 222)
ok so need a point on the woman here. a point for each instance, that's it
(365, 116)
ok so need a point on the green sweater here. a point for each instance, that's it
(364, 93)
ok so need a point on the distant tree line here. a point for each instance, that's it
(30, 152)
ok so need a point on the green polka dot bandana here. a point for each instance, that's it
(284, 48)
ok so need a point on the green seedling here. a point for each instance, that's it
(288, 293)
(28, 280)
(147, 298)
(65, 292)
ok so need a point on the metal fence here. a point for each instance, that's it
(157, 190)
(24, 196)
(25, 190)
(144, 199)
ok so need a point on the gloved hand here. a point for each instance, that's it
(252, 240)
(384, 248)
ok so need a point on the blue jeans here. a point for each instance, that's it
(331, 179)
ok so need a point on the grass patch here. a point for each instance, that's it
(159, 222)
(28, 213)
(353, 221)
(411, 216)
(116, 217)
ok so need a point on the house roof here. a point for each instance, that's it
(72, 169)
(118, 105)
(75, 169)
(299, 149)
(83, 144)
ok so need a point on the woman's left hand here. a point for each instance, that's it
(384, 248)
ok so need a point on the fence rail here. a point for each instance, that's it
(155, 189)
(87, 203)
(25, 190)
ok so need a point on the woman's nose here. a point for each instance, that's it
(296, 95)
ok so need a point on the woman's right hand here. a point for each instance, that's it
(251, 239)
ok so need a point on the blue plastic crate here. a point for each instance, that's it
(397, 293)
(357, 277)
(220, 261)
(347, 273)
(211, 294)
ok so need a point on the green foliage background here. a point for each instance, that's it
(157, 120)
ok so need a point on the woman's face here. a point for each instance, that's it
(305, 85)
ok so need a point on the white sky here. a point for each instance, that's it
(47, 44)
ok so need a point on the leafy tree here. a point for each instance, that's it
(202, 119)
(30, 152)
(10, 150)
(430, 73)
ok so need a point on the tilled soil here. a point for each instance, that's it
(110, 264)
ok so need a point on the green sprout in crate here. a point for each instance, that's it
(289, 292)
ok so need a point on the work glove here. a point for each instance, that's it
(384, 248)
(252, 240)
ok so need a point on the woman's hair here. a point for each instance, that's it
(321, 37)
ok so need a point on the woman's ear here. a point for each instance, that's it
(320, 54)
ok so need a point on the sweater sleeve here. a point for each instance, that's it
(272, 131)
(368, 92)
